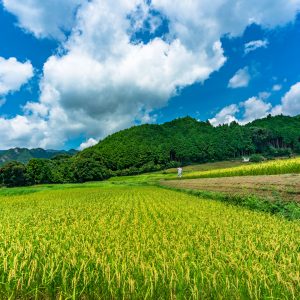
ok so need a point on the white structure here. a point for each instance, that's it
(179, 170)
(246, 159)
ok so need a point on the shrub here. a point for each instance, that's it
(256, 158)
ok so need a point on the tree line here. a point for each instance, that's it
(153, 147)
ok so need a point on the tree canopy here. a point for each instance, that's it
(152, 147)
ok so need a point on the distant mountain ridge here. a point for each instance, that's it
(24, 155)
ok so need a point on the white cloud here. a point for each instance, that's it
(46, 18)
(240, 79)
(89, 143)
(257, 108)
(201, 21)
(264, 95)
(253, 45)
(253, 108)
(22, 130)
(35, 108)
(276, 87)
(276, 110)
(13, 74)
(290, 103)
(225, 116)
(116, 82)
(101, 82)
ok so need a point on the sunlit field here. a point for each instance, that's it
(108, 241)
(284, 166)
(217, 169)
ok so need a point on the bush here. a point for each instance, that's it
(256, 158)
(277, 152)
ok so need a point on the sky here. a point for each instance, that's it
(74, 71)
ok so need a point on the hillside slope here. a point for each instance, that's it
(187, 140)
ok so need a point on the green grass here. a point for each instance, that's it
(113, 241)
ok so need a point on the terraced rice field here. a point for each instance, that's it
(284, 166)
(143, 243)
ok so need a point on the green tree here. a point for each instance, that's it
(39, 171)
(88, 169)
(13, 174)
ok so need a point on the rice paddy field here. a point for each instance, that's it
(284, 166)
(117, 241)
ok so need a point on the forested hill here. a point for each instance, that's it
(24, 155)
(147, 148)
(187, 140)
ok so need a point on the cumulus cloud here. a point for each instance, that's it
(47, 18)
(252, 109)
(22, 130)
(105, 83)
(253, 45)
(89, 143)
(13, 74)
(102, 81)
(290, 103)
(225, 116)
(240, 79)
(257, 107)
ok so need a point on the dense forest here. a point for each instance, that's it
(152, 147)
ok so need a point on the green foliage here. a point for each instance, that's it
(149, 148)
(88, 169)
(38, 171)
(278, 152)
(13, 174)
(256, 158)
(183, 141)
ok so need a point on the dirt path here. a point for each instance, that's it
(286, 187)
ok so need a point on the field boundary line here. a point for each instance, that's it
(287, 210)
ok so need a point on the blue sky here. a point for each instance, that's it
(15, 42)
(68, 82)
(277, 64)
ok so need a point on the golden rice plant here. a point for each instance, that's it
(284, 166)
(143, 243)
